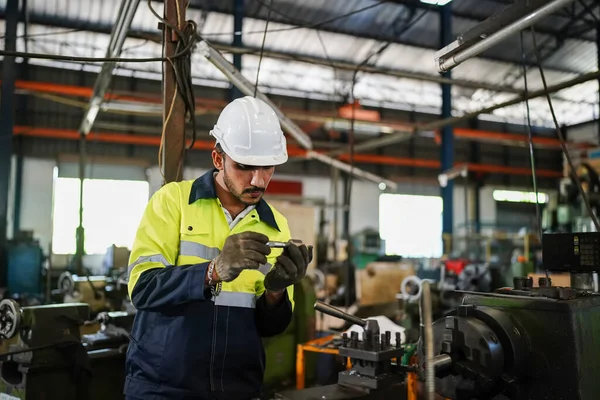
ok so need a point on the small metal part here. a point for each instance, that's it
(522, 282)
(345, 339)
(354, 340)
(582, 281)
(398, 340)
(544, 282)
(277, 245)
(334, 312)
(281, 245)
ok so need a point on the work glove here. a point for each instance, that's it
(246, 250)
(290, 267)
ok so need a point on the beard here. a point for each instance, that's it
(247, 201)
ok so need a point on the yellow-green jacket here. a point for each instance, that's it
(185, 343)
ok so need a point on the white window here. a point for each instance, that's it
(112, 210)
(411, 225)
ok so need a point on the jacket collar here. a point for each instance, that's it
(204, 188)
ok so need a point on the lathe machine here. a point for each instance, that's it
(523, 342)
(55, 352)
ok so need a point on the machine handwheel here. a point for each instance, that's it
(10, 318)
(66, 284)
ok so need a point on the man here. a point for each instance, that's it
(204, 282)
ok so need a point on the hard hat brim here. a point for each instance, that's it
(254, 161)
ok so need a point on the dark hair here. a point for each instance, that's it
(219, 149)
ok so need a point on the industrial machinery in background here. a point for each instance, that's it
(455, 275)
(25, 269)
(375, 372)
(105, 292)
(523, 342)
(57, 352)
(570, 213)
(526, 342)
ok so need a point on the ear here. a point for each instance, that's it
(218, 160)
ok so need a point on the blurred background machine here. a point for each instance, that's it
(26, 269)
(523, 342)
(57, 352)
(569, 213)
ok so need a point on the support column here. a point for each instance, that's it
(447, 132)
(7, 108)
(238, 19)
(598, 65)
(23, 115)
(173, 111)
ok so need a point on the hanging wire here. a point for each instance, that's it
(262, 46)
(530, 140)
(300, 26)
(563, 144)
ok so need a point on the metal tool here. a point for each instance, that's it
(280, 245)
(371, 357)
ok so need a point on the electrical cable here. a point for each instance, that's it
(183, 53)
(44, 34)
(187, 37)
(412, 21)
(561, 137)
(309, 26)
(262, 46)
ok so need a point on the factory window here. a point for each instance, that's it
(411, 225)
(519, 197)
(112, 210)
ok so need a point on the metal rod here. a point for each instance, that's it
(115, 45)
(428, 343)
(246, 87)
(478, 48)
(351, 169)
(173, 105)
(371, 69)
(334, 312)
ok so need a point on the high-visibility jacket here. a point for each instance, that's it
(186, 343)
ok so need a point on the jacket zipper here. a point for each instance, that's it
(213, 350)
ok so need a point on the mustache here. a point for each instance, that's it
(254, 189)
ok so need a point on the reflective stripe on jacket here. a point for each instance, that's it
(185, 343)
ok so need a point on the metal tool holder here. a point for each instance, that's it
(372, 357)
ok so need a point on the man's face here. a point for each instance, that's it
(246, 183)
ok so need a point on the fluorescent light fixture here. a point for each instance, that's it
(519, 197)
(436, 2)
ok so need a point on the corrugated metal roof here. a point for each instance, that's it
(385, 20)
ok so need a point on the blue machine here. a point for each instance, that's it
(25, 262)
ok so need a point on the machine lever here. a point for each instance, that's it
(334, 312)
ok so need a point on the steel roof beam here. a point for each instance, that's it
(41, 19)
(399, 137)
(115, 45)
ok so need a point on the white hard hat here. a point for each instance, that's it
(249, 132)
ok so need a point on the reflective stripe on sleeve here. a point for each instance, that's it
(157, 258)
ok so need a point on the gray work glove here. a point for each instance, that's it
(246, 250)
(290, 267)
